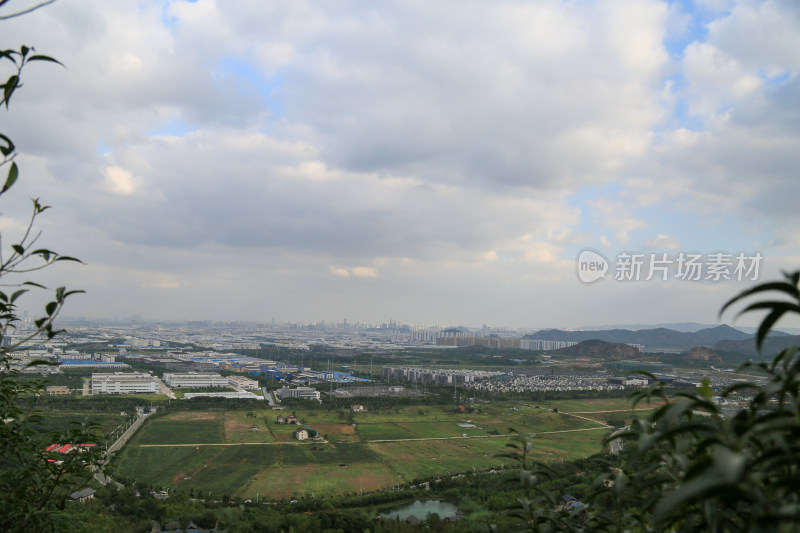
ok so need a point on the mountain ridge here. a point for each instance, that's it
(650, 338)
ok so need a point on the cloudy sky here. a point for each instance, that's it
(429, 162)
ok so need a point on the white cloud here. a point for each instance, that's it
(440, 145)
(162, 282)
(120, 181)
(365, 272)
(359, 272)
(662, 242)
(341, 272)
(615, 215)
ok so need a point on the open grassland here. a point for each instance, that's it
(248, 453)
(616, 414)
(599, 404)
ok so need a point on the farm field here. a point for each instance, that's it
(247, 453)
(57, 421)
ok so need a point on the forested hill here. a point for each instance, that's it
(602, 349)
(771, 346)
(650, 338)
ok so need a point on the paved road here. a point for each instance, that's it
(129, 432)
(100, 476)
(164, 389)
(268, 396)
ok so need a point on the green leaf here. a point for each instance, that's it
(13, 173)
(50, 308)
(40, 57)
(17, 294)
(725, 470)
(8, 148)
(766, 325)
(68, 258)
(18, 248)
(789, 287)
(11, 85)
(43, 253)
(39, 208)
(70, 293)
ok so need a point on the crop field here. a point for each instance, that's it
(57, 421)
(184, 428)
(248, 453)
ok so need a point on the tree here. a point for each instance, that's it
(33, 482)
(693, 466)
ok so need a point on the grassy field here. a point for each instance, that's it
(247, 453)
(57, 421)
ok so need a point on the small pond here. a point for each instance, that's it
(421, 510)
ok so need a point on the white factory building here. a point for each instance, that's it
(124, 383)
(306, 393)
(241, 382)
(195, 380)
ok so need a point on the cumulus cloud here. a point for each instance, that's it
(365, 272)
(299, 146)
(120, 181)
(662, 242)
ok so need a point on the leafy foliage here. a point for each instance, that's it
(693, 465)
(32, 482)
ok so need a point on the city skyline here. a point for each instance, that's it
(436, 163)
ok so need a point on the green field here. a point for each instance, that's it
(247, 453)
(59, 421)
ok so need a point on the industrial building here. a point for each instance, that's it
(191, 380)
(241, 382)
(124, 383)
(305, 393)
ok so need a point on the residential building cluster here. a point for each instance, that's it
(546, 379)
(437, 376)
(536, 344)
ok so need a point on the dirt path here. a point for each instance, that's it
(589, 419)
(220, 444)
(613, 411)
(602, 426)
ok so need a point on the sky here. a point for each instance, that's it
(428, 162)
